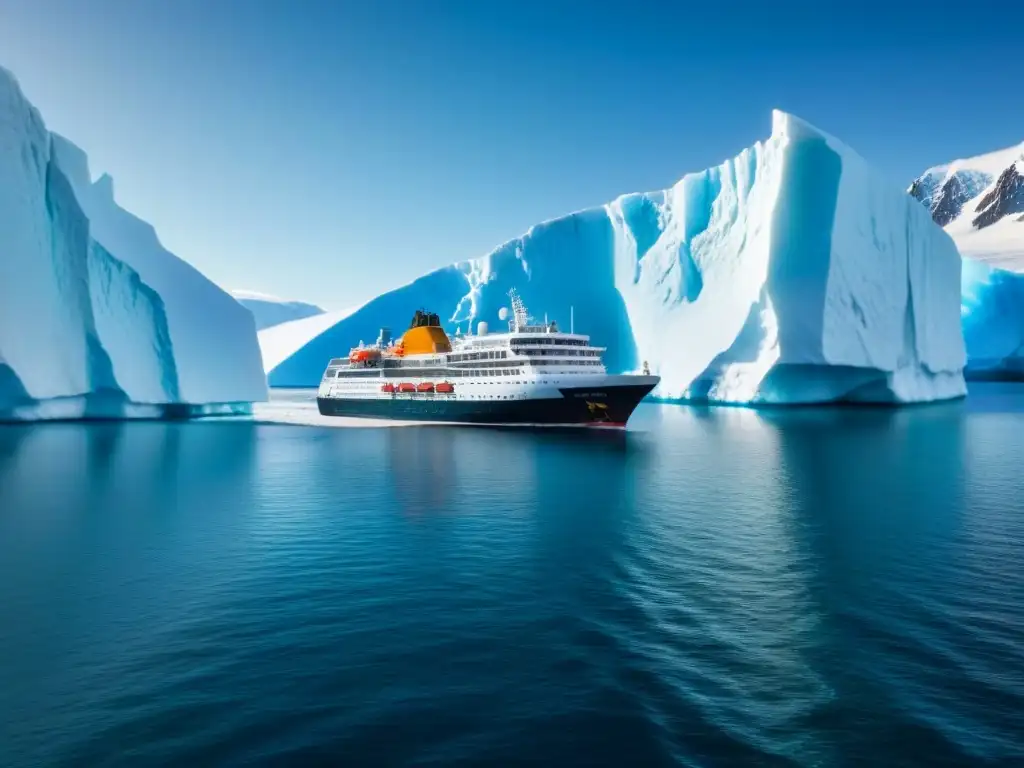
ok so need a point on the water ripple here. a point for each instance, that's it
(715, 587)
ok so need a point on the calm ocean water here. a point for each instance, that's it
(715, 587)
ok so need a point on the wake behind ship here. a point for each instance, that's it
(533, 375)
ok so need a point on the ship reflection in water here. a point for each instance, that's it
(422, 472)
(428, 465)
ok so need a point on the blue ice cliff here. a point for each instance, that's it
(97, 319)
(993, 321)
(790, 274)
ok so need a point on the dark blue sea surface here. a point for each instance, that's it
(821, 587)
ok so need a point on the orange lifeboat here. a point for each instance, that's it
(363, 355)
(426, 386)
(387, 387)
(406, 387)
(444, 388)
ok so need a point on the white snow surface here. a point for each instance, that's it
(97, 319)
(255, 296)
(270, 310)
(999, 245)
(790, 274)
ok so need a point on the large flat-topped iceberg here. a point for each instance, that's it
(790, 274)
(97, 319)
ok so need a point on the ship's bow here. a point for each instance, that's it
(608, 402)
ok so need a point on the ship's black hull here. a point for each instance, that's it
(609, 406)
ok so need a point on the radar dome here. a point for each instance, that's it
(481, 328)
(503, 313)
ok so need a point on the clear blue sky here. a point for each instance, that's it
(328, 150)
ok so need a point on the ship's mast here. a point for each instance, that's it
(519, 319)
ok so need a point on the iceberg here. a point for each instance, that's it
(790, 274)
(993, 322)
(269, 310)
(97, 319)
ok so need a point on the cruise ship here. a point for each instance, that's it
(533, 375)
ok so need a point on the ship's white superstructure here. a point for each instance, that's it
(531, 361)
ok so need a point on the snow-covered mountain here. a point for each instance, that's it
(980, 202)
(96, 317)
(789, 274)
(269, 310)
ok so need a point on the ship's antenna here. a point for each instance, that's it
(519, 316)
(572, 318)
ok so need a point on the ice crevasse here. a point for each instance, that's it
(97, 319)
(790, 274)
